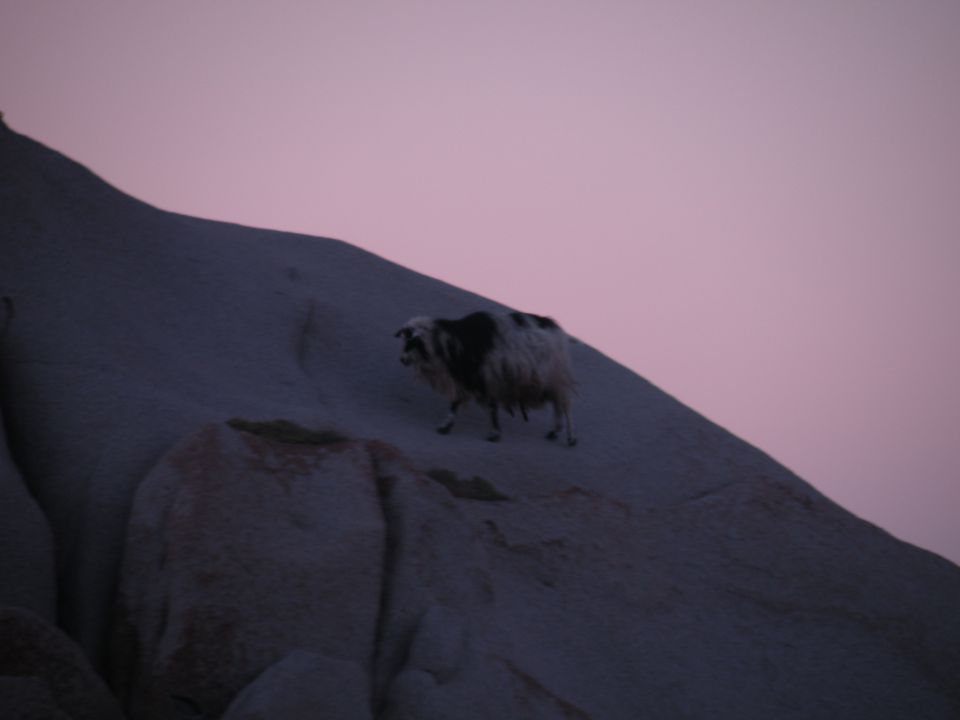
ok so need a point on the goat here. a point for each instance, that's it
(516, 360)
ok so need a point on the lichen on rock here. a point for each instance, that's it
(286, 431)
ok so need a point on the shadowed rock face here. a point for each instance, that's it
(325, 554)
(26, 545)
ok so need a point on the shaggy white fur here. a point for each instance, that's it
(514, 361)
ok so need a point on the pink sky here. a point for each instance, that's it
(754, 204)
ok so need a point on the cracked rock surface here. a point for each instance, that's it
(221, 496)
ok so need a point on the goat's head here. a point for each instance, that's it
(415, 337)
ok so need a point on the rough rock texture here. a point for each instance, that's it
(347, 558)
(239, 550)
(43, 674)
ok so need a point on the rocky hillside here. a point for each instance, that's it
(221, 496)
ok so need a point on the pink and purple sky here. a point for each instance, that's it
(754, 204)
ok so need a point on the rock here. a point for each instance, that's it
(435, 573)
(240, 550)
(736, 603)
(44, 675)
(446, 645)
(305, 686)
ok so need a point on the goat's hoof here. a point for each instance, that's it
(552, 435)
(444, 429)
(571, 442)
(493, 437)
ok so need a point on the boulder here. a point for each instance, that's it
(240, 550)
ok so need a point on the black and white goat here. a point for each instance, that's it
(515, 361)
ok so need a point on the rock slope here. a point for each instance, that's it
(222, 497)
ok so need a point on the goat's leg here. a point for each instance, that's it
(561, 417)
(523, 411)
(571, 438)
(557, 422)
(494, 433)
(444, 427)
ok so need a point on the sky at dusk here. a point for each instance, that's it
(753, 204)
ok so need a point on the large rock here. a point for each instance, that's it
(733, 604)
(240, 550)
